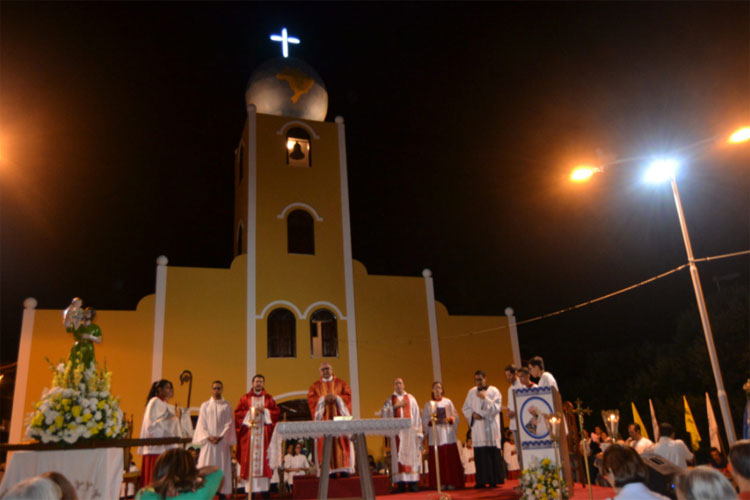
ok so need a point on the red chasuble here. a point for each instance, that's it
(340, 459)
(262, 434)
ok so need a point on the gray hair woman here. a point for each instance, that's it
(704, 483)
(34, 488)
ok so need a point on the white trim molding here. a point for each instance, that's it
(429, 287)
(22, 371)
(320, 303)
(250, 306)
(299, 204)
(509, 313)
(351, 322)
(289, 395)
(157, 355)
(279, 303)
(300, 314)
(297, 123)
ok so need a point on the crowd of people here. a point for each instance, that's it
(486, 459)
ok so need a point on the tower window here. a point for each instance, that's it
(282, 334)
(298, 152)
(300, 231)
(324, 340)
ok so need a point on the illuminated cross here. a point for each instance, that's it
(285, 41)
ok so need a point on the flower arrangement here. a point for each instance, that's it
(79, 405)
(542, 481)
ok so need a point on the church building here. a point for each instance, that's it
(293, 296)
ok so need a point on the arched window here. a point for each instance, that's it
(239, 240)
(282, 334)
(298, 152)
(324, 339)
(300, 232)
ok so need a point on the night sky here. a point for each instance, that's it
(119, 121)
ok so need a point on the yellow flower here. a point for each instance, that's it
(86, 417)
(38, 420)
(76, 411)
(59, 420)
(101, 404)
(72, 426)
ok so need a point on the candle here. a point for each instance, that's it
(252, 413)
(432, 407)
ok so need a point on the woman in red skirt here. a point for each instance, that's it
(159, 420)
(444, 430)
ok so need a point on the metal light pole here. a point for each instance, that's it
(721, 393)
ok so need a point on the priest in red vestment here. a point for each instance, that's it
(258, 407)
(327, 398)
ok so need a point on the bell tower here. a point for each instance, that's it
(292, 224)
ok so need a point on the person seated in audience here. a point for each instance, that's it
(739, 458)
(176, 476)
(672, 449)
(719, 462)
(34, 488)
(704, 483)
(627, 473)
(68, 491)
(636, 439)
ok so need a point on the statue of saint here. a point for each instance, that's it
(79, 322)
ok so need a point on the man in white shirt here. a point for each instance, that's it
(482, 409)
(407, 444)
(215, 434)
(672, 449)
(637, 441)
(515, 383)
(536, 367)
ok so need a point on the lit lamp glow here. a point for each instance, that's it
(661, 170)
(611, 422)
(582, 173)
(553, 421)
(741, 135)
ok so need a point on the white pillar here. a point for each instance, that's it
(160, 304)
(513, 336)
(251, 227)
(437, 370)
(22, 371)
(351, 318)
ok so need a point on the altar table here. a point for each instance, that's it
(328, 429)
(95, 473)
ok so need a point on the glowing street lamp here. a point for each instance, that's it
(662, 170)
(582, 173)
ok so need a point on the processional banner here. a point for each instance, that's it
(535, 440)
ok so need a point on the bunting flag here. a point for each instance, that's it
(713, 427)
(695, 437)
(654, 422)
(637, 420)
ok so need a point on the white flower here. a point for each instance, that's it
(98, 415)
(61, 368)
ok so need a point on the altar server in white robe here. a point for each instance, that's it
(295, 464)
(161, 420)
(482, 410)
(215, 434)
(443, 429)
(405, 462)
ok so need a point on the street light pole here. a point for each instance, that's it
(721, 393)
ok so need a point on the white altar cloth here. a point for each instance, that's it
(95, 473)
(321, 428)
(328, 429)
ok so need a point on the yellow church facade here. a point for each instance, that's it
(292, 298)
